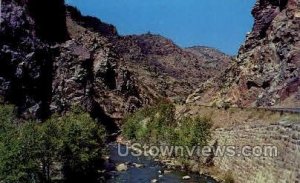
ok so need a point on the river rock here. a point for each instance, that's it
(186, 177)
(161, 172)
(154, 181)
(122, 167)
(138, 165)
(167, 171)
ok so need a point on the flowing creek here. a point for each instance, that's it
(149, 172)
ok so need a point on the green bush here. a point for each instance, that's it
(82, 147)
(6, 118)
(71, 146)
(193, 132)
(150, 124)
(157, 125)
(17, 149)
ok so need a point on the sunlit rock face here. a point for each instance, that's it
(266, 71)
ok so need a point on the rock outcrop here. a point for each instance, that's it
(88, 72)
(43, 74)
(168, 70)
(266, 71)
(25, 61)
(213, 58)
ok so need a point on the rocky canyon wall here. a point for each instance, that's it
(266, 70)
(51, 61)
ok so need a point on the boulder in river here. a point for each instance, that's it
(121, 167)
(138, 165)
(161, 172)
(186, 177)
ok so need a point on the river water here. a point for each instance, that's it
(148, 172)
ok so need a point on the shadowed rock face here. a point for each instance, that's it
(25, 62)
(266, 71)
(50, 19)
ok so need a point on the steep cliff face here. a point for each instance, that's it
(47, 67)
(266, 71)
(25, 61)
(99, 71)
(49, 17)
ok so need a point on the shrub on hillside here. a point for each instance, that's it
(150, 124)
(193, 132)
(157, 125)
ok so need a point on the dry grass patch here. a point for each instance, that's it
(224, 118)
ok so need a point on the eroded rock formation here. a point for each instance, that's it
(266, 71)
